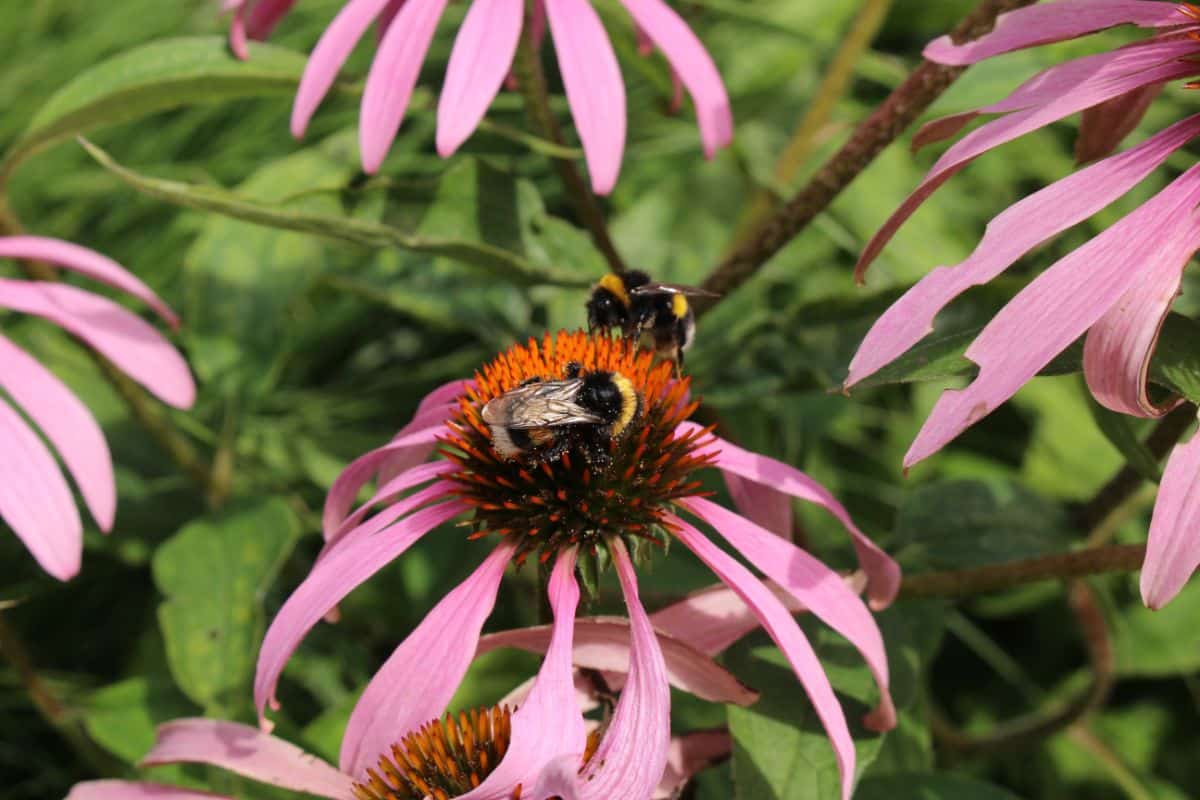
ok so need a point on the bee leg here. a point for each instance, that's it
(554, 452)
(595, 447)
(678, 362)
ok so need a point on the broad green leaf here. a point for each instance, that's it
(515, 267)
(156, 77)
(1158, 644)
(1176, 362)
(122, 716)
(213, 574)
(935, 358)
(930, 786)
(1119, 430)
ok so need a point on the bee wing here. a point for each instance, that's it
(674, 288)
(541, 405)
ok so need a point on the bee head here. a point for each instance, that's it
(608, 306)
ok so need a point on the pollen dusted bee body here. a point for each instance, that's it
(630, 302)
(542, 419)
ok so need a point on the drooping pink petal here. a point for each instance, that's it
(417, 681)
(347, 485)
(237, 33)
(85, 262)
(787, 635)
(125, 339)
(437, 406)
(265, 15)
(393, 77)
(603, 643)
(690, 754)
(1173, 548)
(883, 573)
(1012, 234)
(328, 57)
(767, 507)
(1054, 22)
(482, 56)
(692, 63)
(595, 90)
(68, 425)
(388, 493)
(354, 560)
(136, 790)
(548, 724)
(1062, 303)
(818, 588)
(1121, 71)
(1103, 127)
(248, 752)
(35, 500)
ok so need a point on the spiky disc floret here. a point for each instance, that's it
(570, 500)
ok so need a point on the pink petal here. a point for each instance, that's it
(790, 639)
(548, 724)
(762, 504)
(35, 500)
(882, 572)
(328, 57)
(1054, 22)
(690, 754)
(132, 344)
(85, 262)
(388, 493)
(595, 90)
(1114, 74)
(1012, 234)
(818, 588)
(265, 15)
(482, 56)
(416, 683)
(1062, 303)
(1103, 127)
(603, 643)
(237, 33)
(1173, 549)
(438, 406)
(393, 77)
(248, 752)
(388, 17)
(692, 63)
(355, 559)
(68, 425)
(136, 790)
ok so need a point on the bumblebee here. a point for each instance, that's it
(631, 302)
(542, 419)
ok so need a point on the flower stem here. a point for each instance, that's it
(993, 577)
(907, 102)
(532, 82)
(865, 25)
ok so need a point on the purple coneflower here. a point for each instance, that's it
(558, 510)
(1117, 288)
(35, 499)
(482, 57)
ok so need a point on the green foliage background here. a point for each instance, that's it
(310, 348)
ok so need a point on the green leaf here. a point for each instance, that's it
(122, 717)
(515, 267)
(1119, 430)
(1176, 362)
(929, 786)
(156, 77)
(214, 573)
(1158, 644)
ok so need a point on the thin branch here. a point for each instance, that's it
(901, 108)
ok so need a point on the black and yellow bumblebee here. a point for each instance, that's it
(542, 419)
(631, 302)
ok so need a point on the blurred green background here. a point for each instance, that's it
(310, 350)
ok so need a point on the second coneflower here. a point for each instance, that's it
(560, 508)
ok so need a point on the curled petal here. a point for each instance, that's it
(482, 56)
(248, 752)
(265, 15)
(1062, 303)
(603, 643)
(328, 57)
(136, 790)
(689, 754)
(1012, 234)
(85, 262)
(393, 77)
(594, 87)
(1054, 22)
(237, 33)
(818, 588)
(883, 573)
(762, 504)
(1102, 127)
(68, 425)
(787, 635)
(388, 493)
(350, 563)
(125, 339)
(388, 17)
(35, 500)
(1173, 549)
(416, 683)
(692, 63)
